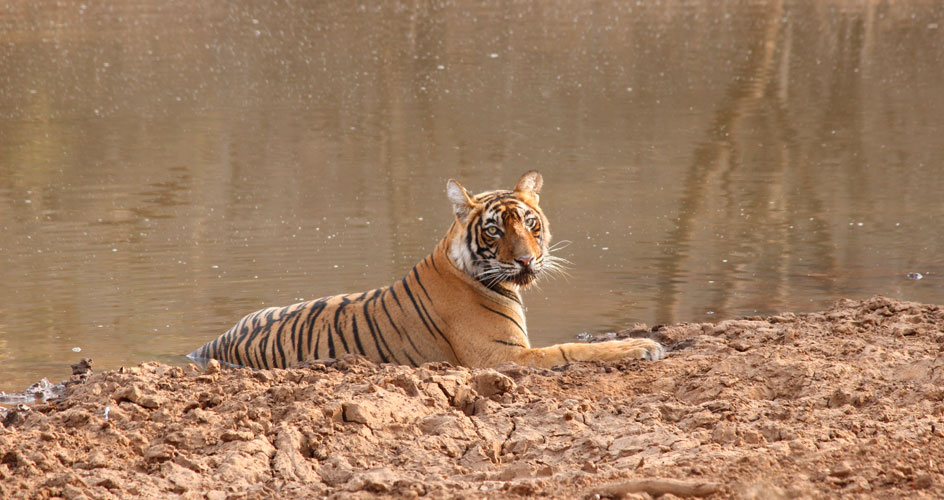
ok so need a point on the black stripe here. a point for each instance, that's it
(357, 335)
(424, 311)
(497, 288)
(293, 330)
(564, 354)
(210, 349)
(263, 359)
(246, 341)
(373, 331)
(252, 348)
(238, 331)
(281, 352)
(416, 276)
(509, 343)
(383, 304)
(218, 347)
(234, 346)
(468, 238)
(297, 335)
(223, 352)
(394, 293)
(396, 328)
(331, 353)
(238, 347)
(378, 297)
(506, 316)
(316, 309)
(510, 214)
(417, 307)
(218, 344)
(337, 324)
(267, 336)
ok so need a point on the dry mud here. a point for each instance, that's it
(845, 403)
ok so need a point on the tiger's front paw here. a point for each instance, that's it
(653, 350)
(630, 348)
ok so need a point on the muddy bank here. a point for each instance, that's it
(848, 402)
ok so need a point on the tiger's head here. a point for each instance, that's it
(501, 237)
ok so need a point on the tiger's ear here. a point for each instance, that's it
(530, 185)
(462, 203)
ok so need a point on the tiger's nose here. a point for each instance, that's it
(525, 260)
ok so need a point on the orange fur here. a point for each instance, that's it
(460, 304)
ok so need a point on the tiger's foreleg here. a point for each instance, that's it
(562, 354)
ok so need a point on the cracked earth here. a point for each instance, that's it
(844, 403)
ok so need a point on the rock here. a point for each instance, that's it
(241, 470)
(464, 399)
(106, 478)
(70, 492)
(182, 479)
(523, 439)
(96, 459)
(289, 461)
(724, 433)
(440, 424)
(380, 480)
(838, 398)
(149, 401)
(489, 383)
(212, 367)
(841, 470)
(359, 413)
(480, 457)
(516, 470)
(137, 395)
(158, 453)
(335, 471)
(236, 435)
(408, 383)
(83, 367)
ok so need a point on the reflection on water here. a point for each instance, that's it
(166, 168)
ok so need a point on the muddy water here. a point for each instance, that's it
(166, 167)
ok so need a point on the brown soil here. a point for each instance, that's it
(844, 403)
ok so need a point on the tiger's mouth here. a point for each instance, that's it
(524, 277)
(495, 275)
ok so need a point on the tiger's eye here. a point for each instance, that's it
(491, 231)
(531, 222)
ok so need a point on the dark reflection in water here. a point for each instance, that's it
(167, 167)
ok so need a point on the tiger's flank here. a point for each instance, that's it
(460, 304)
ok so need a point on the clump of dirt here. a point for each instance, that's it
(847, 402)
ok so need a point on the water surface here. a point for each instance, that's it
(167, 167)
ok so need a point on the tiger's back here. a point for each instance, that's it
(461, 304)
(380, 324)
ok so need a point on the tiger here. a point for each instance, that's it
(461, 304)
